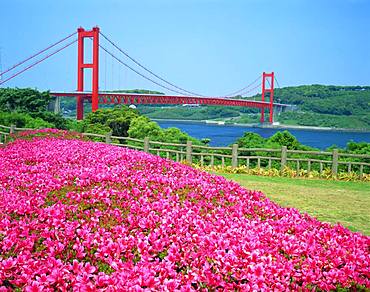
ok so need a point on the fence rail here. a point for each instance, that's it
(234, 156)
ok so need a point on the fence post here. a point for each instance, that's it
(146, 144)
(12, 129)
(234, 156)
(283, 157)
(189, 152)
(334, 166)
(108, 138)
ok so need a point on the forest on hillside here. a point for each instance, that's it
(333, 100)
(316, 105)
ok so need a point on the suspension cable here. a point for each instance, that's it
(35, 55)
(244, 88)
(146, 69)
(268, 81)
(38, 62)
(277, 82)
(137, 72)
(251, 89)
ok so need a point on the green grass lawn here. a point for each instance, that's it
(330, 201)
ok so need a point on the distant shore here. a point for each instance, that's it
(267, 126)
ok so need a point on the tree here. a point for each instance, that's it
(56, 120)
(358, 148)
(251, 140)
(142, 127)
(24, 100)
(23, 120)
(15, 118)
(117, 119)
(285, 139)
(27, 104)
(175, 135)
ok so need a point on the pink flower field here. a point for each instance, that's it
(87, 216)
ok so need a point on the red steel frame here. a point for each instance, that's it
(265, 77)
(105, 98)
(136, 98)
(94, 35)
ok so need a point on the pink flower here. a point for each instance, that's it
(85, 216)
(34, 287)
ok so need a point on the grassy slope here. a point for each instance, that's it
(331, 201)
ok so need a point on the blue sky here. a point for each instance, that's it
(209, 46)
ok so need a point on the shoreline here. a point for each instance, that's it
(266, 126)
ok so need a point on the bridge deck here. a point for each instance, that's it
(139, 98)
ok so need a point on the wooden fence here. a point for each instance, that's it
(235, 156)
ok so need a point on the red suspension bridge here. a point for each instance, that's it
(96, 97)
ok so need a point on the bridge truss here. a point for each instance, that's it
(137, 98)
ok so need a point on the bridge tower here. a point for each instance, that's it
(269, 78)
(81, 65)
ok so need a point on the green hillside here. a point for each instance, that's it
(334, 100)
(316, 105)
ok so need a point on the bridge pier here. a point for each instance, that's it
(80, 108)
(81, 65)
(269, 78)
(57, 109)
(54, 105)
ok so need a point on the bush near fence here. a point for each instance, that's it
(297, 163)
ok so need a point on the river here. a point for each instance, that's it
(223, 135)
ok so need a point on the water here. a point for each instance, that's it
(223, 135)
